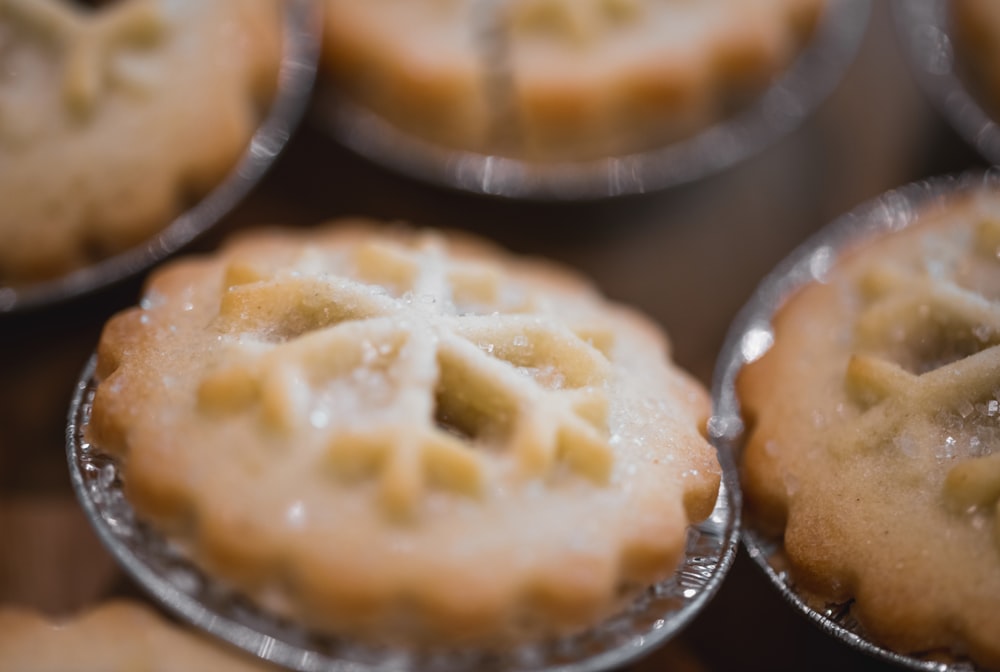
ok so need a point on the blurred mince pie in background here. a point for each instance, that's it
(115, 118)
(560, 80)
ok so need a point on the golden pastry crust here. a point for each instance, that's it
(873, 443)
(405, 435)
(585, 78)
(113, 637)
(113, 119)
(975, 25)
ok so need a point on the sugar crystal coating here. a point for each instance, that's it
(895, 497)
(456, 362)
(505, 454)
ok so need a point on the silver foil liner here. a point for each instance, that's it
(174, 582)
(777, 111)
(924, 33)
(751, 335)
(297, 70)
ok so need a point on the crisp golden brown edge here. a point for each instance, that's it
(895, 610)
(566, 600)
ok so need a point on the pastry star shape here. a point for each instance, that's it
(936, 312)
(448, 386)
(88, 40)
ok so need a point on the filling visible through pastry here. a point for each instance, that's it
(875, 443)
(405, 435)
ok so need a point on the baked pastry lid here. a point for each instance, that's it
(296, 75)
(923, 30)
(750, 335)
(656, 616)
(782, 108)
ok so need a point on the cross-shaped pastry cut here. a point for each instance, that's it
(406, 387)
(960, 370)
(88, 40)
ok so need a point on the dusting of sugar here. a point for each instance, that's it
(369, 353)
(970, 430)
(946, 450)
(548, 377)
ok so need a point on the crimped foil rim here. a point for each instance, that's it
(808, 263)
(782, 108)
(174, 583)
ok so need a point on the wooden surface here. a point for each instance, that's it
(689, 257)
